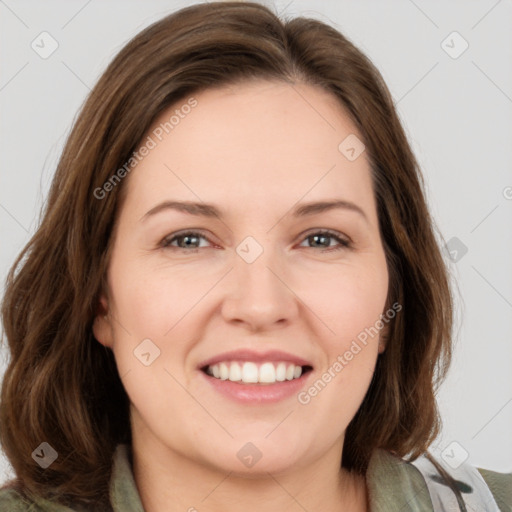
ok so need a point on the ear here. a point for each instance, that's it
(102, 325)
(383, 338)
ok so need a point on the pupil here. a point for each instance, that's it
(187, 240)
(317, 237)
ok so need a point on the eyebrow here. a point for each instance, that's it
(210, 210)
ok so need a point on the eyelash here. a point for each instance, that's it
(343, 243)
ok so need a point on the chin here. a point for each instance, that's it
(255, 458)
(277, 463)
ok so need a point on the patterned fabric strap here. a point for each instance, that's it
(474, 491)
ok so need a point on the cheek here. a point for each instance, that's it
(348, 299)
(356, 309)
(150, 301)
(351, 306)
(150, 308)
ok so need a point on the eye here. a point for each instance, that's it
(190, 241)
(324, 237)
(184, 240)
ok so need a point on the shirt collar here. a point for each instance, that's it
(395, 484)
(124, 495)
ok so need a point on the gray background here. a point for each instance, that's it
(457, 113)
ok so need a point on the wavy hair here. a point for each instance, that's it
(62, 386)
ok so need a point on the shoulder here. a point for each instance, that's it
(480, 489)
(12, 501)
(500, 484)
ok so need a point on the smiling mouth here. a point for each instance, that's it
(248, 372)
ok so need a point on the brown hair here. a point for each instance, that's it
(62, 386)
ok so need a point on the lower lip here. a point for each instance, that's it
(258, 393)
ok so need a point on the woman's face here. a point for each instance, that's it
(255, 292)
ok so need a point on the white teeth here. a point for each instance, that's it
(251, 373)
(224, 371)
(235, 372)
(281, 372)
(267, 373)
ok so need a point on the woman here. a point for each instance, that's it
(235, 297)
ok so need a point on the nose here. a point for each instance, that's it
(259, 296)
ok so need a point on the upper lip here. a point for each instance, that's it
(251, 355)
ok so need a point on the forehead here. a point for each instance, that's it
(252, 141)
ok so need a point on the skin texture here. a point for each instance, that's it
(256, 150)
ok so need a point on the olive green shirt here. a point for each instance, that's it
(393, 485)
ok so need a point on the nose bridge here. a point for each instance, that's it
(253, 263)
(259, 295)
